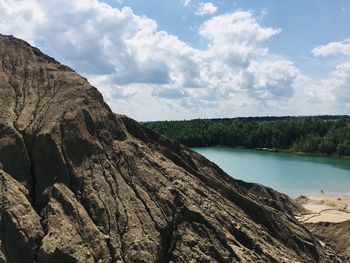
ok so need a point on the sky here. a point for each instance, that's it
(185, 59)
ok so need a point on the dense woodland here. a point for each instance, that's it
(329, 135)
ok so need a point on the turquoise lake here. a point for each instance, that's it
(287, 173)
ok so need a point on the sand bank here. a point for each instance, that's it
(325, 208)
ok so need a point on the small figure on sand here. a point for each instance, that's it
(322, 192)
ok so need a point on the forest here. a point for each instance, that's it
(325, 135)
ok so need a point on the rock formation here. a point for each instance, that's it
(81, 184)
(336, 235)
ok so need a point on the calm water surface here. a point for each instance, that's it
(291, 174)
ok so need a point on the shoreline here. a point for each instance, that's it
(333, 156)
(331, 208)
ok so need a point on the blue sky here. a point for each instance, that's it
(304, 24)
(182, 59)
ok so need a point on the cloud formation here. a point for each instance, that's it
(133, 63)
(206, 9)
(236, 37)
(185, 2)
(335, 88)
(272, 79)
(333, 48)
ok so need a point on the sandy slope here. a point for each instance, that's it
(79, 183)
(325, 208)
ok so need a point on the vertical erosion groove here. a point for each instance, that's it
(128, 193)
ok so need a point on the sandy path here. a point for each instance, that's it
(325, 208)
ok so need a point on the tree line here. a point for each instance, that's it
(328, 135)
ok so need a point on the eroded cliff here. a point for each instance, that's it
(81, 184)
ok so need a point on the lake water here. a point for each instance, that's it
(287, 173)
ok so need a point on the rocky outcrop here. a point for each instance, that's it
(336, 235)
(20, 228)
(81, 184)
(272, 198)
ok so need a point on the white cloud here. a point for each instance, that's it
(336, 88)
(333, 48)
(206, 9)
(339, 83)
(272, 79)
(134, 64)
(235, 37)
(185, 2)
(97, 39)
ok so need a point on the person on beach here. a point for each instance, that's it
(322, 192)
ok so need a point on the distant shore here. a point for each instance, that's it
(344, 157)
(324, 208)
(333, 156)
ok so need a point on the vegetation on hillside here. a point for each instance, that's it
(328, 135)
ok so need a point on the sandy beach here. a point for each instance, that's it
(325, 208)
